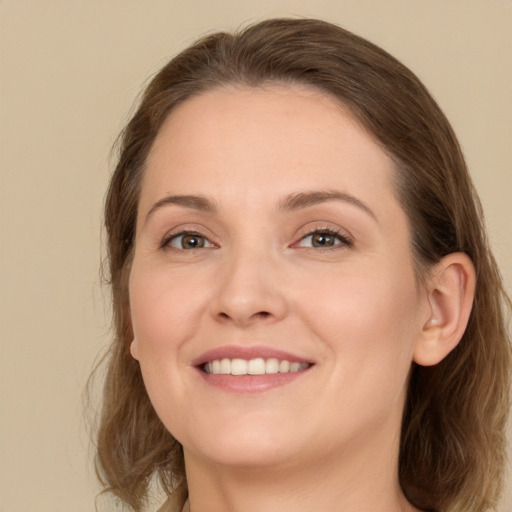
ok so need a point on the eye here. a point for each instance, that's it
(187, 240)
(324, 239)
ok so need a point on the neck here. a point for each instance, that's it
(353, 481)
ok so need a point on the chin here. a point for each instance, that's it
(244, 445)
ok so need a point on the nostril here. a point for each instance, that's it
(259, 315)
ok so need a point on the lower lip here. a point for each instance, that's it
(247, 384)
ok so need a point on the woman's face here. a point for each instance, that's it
(269, 240)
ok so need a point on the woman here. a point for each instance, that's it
(307, 312)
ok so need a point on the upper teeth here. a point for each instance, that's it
(258, 366)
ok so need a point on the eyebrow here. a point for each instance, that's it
(292, 202)
(307, 199)
(186, 201)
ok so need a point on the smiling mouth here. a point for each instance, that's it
(257, 366)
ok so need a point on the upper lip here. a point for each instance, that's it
(247, 352)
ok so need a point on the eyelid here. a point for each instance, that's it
(345, 239)
(169, 237)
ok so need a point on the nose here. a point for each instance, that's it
(250, 290)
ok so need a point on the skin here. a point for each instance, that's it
(329, 439)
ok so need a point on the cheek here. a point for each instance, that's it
(163, 319)
(368, 320)
(163, 312)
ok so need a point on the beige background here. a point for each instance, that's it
(69, 72)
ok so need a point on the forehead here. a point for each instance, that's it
(266, 141)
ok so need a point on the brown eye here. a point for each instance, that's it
(192, 241)
(324, 239)
(189, 241)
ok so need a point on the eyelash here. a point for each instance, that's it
(168, 239)
(343, 239)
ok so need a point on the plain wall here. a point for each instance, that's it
(69, 73)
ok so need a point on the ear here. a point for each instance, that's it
(450, 290)
(134, 349)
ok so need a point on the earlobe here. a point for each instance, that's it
(450, 291)
(134, 349)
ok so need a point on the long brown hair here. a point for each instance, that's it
(452, 452)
